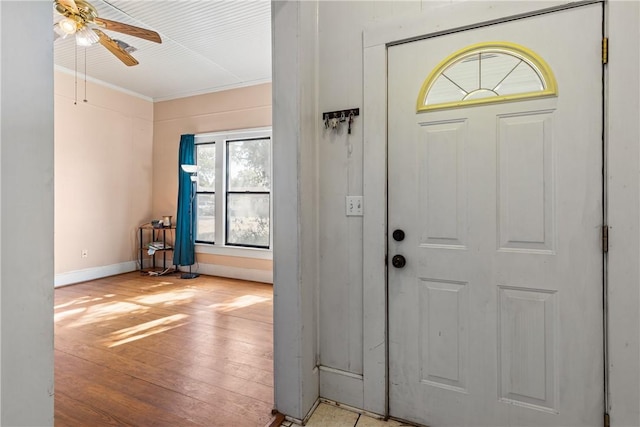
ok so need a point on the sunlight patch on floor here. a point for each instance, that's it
(67, 313)
(166, 298)
(81, 300)
(108, 311)
(157, 285)
(144, 330)
(240, 302)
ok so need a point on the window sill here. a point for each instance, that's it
(255, 253)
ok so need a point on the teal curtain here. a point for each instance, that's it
(184, 250)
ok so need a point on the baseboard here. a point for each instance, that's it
(341, 386)
(78, 276)
(264, 276)
(356, 410)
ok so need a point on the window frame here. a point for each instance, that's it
(220, 246)
(228, 192)
(535, 61)
(198, 192)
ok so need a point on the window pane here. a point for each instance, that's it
(444, 91)
(206, 219)
(465, 73)
(495, 67)
(521, 80)
(206, 159)
(248, 219)
(249, 165)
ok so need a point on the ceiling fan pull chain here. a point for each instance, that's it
(75, 83)
(85, 75)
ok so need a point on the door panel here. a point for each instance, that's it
(496, 319)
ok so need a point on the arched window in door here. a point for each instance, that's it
(486, 73)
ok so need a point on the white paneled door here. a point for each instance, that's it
(496, 319)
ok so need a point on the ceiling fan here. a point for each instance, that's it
(81, 18)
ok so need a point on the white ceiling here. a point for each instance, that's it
(207, 46)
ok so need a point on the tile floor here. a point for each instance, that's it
(327, 415)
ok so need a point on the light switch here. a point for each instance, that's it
(354, 206)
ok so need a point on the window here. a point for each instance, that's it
(486, 72)
(248, 197)
(206, 192)
(234, 188)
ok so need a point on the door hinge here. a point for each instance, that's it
(606, 420)
(605, 50)
(605, 238)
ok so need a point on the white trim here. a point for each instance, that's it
(457, 16)
(295, 224)
(93, 273)
(303, 421)
(1, 117)
(623, 209)
(264, 276)
(168, 97)
(341, 386)
(206, 137)
(255, 253)
(374, 230)
(102, 83)
(213, 89)
(220, 139)
(353, 409)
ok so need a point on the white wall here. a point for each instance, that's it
(295, 254)
(623, 151)
(341, 24)
(345, 282)
(26, 214)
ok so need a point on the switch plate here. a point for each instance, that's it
(354, 206)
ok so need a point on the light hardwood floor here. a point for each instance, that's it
(135, 350)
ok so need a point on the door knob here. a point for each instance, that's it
(398, 235)
(398, 261)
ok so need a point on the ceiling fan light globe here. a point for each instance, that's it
(68, 26)
(86, 37)
(61, 34)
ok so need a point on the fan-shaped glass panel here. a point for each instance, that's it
(465, 73)
(493, 66)
(488, 72)
(444, 90)
(522, 79)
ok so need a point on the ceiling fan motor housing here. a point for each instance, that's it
(85, 11)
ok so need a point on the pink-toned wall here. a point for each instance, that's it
(243, 108)
(116, 162)
(103, 175)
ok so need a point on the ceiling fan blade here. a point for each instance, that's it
(69, 4)
(128, 29)
(114, 48)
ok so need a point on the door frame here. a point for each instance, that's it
(376, 40)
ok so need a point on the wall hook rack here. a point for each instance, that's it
(332, 119)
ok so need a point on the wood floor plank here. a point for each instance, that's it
(160, 404)
(245, 335)
(238, 388)
(71, 412)
(224, 361)
(142, 350)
